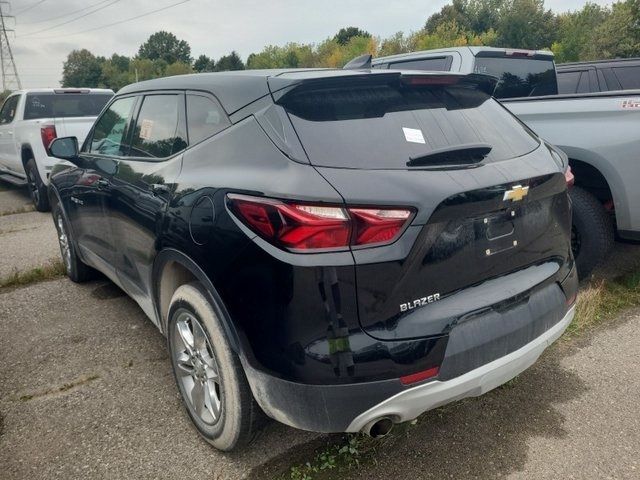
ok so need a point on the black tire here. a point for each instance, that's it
(37, 189)
(238, 416)
(76, 270)
(592, 231)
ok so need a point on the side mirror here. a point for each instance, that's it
(65, 148)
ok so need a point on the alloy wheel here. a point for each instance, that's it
(33, 186)
(196, 368)
(63, 240)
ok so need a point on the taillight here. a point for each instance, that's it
(306, 227)
(569, 177)
(48, 135)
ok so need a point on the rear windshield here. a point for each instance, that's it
(519, 77)
(385, 125)
(50, 105)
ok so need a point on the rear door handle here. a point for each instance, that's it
(102, 183)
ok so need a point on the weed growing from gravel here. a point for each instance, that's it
(51, 270)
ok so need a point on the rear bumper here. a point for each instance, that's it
(349, 407)
(408, 404)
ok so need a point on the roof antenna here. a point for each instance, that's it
(359, 63)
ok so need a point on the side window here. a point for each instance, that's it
(205, 118)
(111, 132)
(8, 112)
(435, 64)
(568, 82)
(629, 77)
(157, 133)
(583, 84)
(611, 79)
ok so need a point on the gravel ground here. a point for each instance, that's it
(13, 198)
(86, 391)
(27, 240)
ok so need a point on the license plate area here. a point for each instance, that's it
(498, 232)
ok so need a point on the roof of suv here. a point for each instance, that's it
(239, 88)
(473, 50)
(64, 90)
(600, 63)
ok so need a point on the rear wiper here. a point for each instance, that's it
(459, 155)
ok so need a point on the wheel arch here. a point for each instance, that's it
(26, 154)
(171, 269)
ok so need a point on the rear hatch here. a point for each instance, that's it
(490, 198)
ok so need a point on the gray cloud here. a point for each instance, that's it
(211, 27)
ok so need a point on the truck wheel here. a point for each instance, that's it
(37, 189)
(591, 232)
(208, 373)
(76, 270)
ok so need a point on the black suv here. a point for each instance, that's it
(342, 250)
(599, 76)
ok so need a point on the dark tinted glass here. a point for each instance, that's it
(383, 126)
(110, 132)
(156, 133)
(439, 64)
(629, 77)
(519, 77)
(57, 105)
(568, 82)
(583, 84)
(205, 118)
(8, 112)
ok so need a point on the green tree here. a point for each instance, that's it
(115, 72)
(576, 33)
(178, 68)
(526, 24)
(449, 14)
(165, 46)
(619, 34)
(344, 35)
(82, 69)
(395, 44)
(204, 64)
(229, 62)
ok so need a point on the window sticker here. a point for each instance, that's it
(146, 128)
(413, 135)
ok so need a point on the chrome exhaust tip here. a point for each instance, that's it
(378, 428)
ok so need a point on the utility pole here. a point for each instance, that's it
(10, 76)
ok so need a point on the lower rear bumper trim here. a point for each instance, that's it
(409, 404)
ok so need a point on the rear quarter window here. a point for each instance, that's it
(383, 126)
(205, 118)
(629, 77)
(61, 105)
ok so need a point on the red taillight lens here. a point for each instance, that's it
(48, 135)
(420, 376)
(569, 177)
(318, 227)
(377, 225)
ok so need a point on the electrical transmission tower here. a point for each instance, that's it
(10, 78)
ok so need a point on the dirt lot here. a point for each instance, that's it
(86, 391)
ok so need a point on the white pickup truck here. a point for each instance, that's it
(599, 132)
(30, 120)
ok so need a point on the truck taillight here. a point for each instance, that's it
(308, 227)
(48, 135)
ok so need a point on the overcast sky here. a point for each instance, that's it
(212, 27)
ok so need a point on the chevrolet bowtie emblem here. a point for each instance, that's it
(517, 193)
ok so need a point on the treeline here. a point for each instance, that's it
(593, 32)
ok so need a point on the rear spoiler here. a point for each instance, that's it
(281, 86)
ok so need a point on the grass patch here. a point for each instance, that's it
(602, 300)
(23, 209)
(53, 269)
